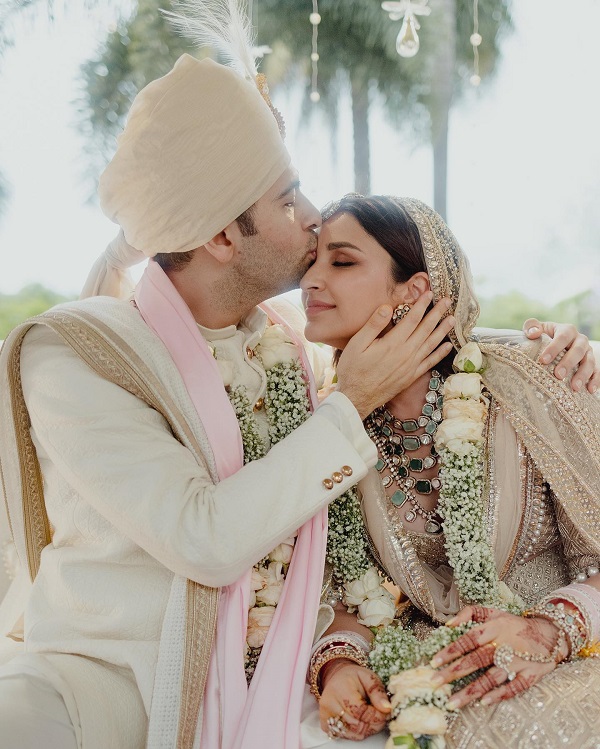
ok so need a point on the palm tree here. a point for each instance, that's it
(358, 41)
(358, 53)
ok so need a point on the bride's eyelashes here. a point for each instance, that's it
(342, 264)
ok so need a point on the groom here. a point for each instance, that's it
(128, 496)
(123, 462)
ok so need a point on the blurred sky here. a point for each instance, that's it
(524, 165)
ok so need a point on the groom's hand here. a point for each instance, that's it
(374, 368)
(579, 356)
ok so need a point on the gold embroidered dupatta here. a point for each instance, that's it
(560, 428)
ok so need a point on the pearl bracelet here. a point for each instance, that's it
(570, 624)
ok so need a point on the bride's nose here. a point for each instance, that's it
(312, 279)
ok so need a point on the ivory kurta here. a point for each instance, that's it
(129, 506)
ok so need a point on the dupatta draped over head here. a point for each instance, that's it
(560, 428)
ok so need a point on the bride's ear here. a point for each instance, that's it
(415, 287)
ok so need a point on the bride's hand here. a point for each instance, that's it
(505, 676)
(356, 697)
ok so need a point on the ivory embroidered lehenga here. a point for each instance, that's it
(542, 511)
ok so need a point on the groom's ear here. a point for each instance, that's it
(223, 245)
(414, 288)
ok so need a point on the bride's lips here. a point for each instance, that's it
(314, 308)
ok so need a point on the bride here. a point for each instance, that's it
(540, 503)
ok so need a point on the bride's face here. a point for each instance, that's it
(350, 278)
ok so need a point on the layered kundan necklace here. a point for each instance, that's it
(395, 439)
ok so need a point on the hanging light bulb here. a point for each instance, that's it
(407, 41)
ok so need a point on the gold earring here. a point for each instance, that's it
(401, 311)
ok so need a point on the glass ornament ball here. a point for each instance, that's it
(314, 56)
(475, 80)
(407, 41)
(315, 19)
(476, 39)
(315, 96)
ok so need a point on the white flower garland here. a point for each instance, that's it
(286, 406)
(418, 718)
(459, 441)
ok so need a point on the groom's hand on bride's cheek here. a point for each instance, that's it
(374, 368)
(579, 356)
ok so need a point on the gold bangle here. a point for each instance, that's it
(333, 652)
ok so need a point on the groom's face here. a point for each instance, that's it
(276, 257)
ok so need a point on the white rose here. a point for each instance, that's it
(259, 621)
(419, 719)
(415, 682)
(454, 433)
(377, 610)
(257, 579)
(283, 552)
(462, 385)
(459, 408)
(469, 358)
(226, 371)
(273, 577)
(358, 590)
(276, 347)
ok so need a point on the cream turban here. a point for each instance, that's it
(200, 146)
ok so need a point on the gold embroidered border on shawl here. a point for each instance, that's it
(112, 358)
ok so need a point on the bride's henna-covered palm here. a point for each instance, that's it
(475, 650)
(358, 695)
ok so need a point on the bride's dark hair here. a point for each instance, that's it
(390, 225)
(385, 219)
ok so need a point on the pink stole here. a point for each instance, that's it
(268, 712)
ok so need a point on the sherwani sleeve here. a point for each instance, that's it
(120, 457)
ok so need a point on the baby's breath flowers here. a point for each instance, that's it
(459, 442)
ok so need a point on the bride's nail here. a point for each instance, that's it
(451, 622)
(533, 330)
(435, 662)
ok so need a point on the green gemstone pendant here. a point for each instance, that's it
(380, 465)
(423, 486)
(411, 443)
(398, 498)
(416, 464)
(410, 425)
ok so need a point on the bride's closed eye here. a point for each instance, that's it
(342, 263)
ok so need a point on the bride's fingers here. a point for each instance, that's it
(524, 680)
(471, 640)
(477, 614)
(488, 681)
(480, 658)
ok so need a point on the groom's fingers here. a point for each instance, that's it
(363, 338)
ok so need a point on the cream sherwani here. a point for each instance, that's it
(129, 507)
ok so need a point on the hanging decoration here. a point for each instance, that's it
(407, 41)
(475, 41)
(315, 20)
